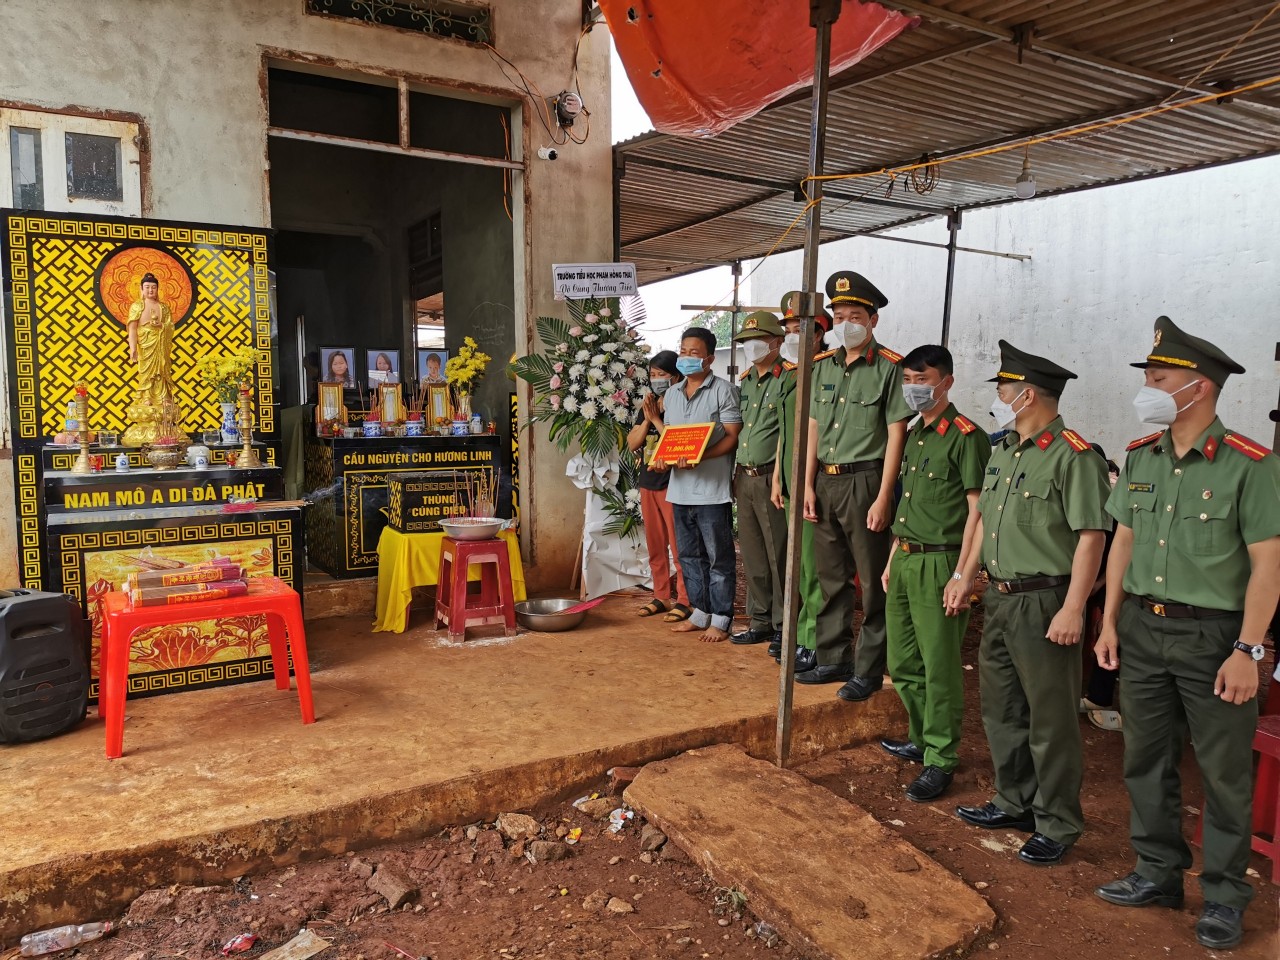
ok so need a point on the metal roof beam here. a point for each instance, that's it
(1064, 52)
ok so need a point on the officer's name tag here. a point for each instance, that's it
(992, 471)
(828, 386)
(1142, 488)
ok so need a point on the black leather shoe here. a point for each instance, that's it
(1137, 891)
(903, 750)
(990, 817)
(930, 785)
(752, 636)
(1042, 851)
(830, 673)
(775, 647)
(806, 659)
(859, 688)
(1220, 927)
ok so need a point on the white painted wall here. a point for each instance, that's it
(192, 72)
(1203, 248)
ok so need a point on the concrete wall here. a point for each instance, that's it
(194, 73)
(1201, 247)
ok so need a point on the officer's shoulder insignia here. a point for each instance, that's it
(788, 365)
(1078, 443)
(1250, 448)
(824, 355)
(1044, 440)
(1143, 441)
(964, 425)
(943, 426)
(890, 355)
(745, 374)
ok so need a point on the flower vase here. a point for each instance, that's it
(463, 409)
(230, 426)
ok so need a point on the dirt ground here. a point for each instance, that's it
(477, 894)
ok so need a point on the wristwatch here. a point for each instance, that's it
(1257, 651)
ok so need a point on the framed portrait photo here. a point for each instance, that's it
(383, 367)
(431, 366)
(337, 365)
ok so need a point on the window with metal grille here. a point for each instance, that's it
(469, 22)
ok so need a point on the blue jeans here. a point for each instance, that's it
(704, 537)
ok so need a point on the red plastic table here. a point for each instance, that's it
(268, 596)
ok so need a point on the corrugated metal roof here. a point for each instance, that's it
(961, 81)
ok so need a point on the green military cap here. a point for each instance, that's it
(849, 287)
(762, 323)
(1018, 366)
(791, 303)
(1175, 347)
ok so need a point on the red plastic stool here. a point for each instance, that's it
(1266, 790)
(268, 596)
(495, 602)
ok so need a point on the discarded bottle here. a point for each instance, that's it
(62, 938)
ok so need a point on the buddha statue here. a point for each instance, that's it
(153, 412)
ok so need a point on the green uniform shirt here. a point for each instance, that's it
(854, 404)
(760, 399)
(942, 461)
(1193, 519)
(1037, 496)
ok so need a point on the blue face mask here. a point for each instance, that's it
(659, 384)
(689, 366)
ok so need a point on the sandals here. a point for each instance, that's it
(649, 609)
(678, 613)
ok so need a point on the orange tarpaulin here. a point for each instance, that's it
(699, 67)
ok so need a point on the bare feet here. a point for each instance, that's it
(714, 635)
(685, 627)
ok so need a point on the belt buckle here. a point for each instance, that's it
(1002, 586)
(831, 469)
(1158, 609)
(906, 547)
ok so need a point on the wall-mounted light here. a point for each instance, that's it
(1024, 187)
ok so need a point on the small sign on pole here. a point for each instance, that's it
(580, 281)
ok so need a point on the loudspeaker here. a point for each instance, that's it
(44, 665)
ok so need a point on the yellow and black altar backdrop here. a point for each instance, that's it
(69, 281)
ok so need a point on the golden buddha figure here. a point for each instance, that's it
(153, 412)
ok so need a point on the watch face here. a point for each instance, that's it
(1258, 652)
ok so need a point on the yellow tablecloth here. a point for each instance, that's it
(408, 560)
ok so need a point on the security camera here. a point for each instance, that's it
(547, 153)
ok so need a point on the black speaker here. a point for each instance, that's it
(44, 665)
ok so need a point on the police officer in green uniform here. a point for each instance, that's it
(857, 428)
(784, 484)
(1041, 526)
(1191, 584)
(762, 527)
(927, 597)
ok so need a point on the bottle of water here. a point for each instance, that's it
(62, 938)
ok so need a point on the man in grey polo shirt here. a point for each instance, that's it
(701, 494)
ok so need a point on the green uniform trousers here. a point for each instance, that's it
(1030, 696)
(842, 546)
(762, 538)
(924, 653)
(1167, 669)
(810, 589)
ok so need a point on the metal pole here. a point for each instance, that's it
(822, 13)
(953, 229)
(736, 267)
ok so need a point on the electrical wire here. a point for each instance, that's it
(506, 172)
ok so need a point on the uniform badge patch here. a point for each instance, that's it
(1142, 488)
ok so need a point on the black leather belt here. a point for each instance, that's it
(760, 470)
(1181, 611)
(835, 469)
(907, 547)
(1027, 584)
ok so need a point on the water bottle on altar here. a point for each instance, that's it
(62, 938)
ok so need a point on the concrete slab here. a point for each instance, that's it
(413, 733)
(834, 881)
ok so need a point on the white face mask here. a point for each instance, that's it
(790, 349)
(919, 396)
(1153, 405)
(848, 335)
(1004, 413)
(755, 350)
